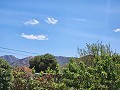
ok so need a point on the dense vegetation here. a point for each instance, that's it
(97, 68)
(41, 63)
(5, 75)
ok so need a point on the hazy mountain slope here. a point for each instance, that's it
(12, 60)
(62, 60)
(9, 58)
(21, 62)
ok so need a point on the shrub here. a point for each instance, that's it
(5, 75)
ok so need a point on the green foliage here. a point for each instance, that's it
(41, 83)
(74, 74)
(60, 86)
(21, 79)
(96, 49)
(55, 71)
(33, 70)
(5, 75)
(50, 71)
(41, 63)
(101, 73)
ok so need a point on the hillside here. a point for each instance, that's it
(21, 62)
(13, 61)
(9, 58)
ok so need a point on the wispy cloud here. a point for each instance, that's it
(117, 30)
(79, 19)
(83, 20)
(31, 22)
(51, 21)
(35, 37)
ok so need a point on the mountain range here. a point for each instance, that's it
(14, 61)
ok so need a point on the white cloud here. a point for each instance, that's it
(35, 37)
(31, 22)
(117, 30)
(51, 21)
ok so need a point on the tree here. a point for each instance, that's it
(74, 75)
(105, 65)
(41, 63)
(5, 75)
(101, 73)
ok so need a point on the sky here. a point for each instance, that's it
(58, 27)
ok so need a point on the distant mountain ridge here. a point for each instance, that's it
(13, 61)
(9, 58)
(21, 62)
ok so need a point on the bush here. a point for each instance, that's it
(5, 75)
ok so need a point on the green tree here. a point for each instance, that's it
(98, 68)
(105, 65)
(5, 75)
(41, 63)
(75, 75)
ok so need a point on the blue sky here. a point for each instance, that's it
(57, 26)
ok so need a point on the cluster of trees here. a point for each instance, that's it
(41, 63)
(97, 68)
